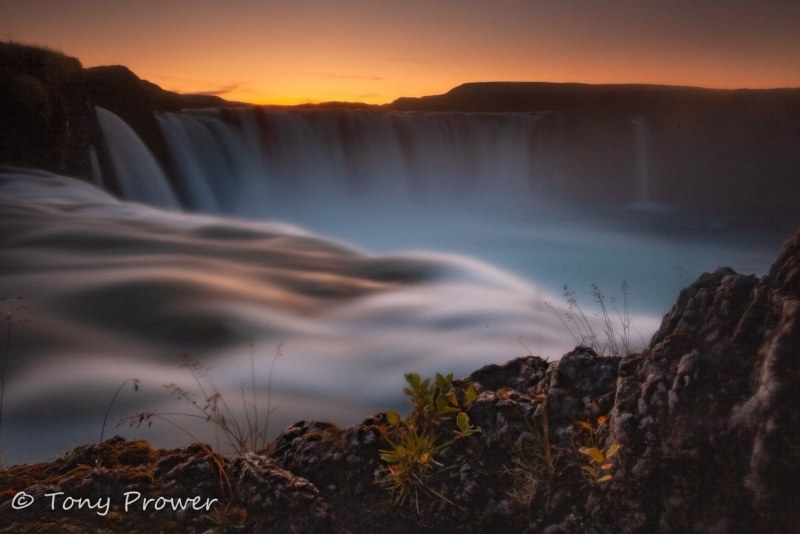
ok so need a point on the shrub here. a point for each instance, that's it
(598, 461)
(438, 419)
(614, 338)
(242, 435)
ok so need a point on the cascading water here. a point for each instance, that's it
(642, 174)
(465, 250)
(136, 171)
(272, 157)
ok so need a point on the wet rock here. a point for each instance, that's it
(275, 499)
(520, 374)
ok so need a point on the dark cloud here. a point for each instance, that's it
(214, 91)
(219, 91)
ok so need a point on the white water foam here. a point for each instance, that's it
(118, 290)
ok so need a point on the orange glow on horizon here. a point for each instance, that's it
(312, 51)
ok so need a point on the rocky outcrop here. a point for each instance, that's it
(697, 433)
(119, 486)
(704, 421)
(47, 101)
(43, 109)
(707, 414)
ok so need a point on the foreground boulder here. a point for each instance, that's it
(697, 433)
(708, 413)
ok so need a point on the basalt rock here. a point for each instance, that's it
(125, 486)
(707, 414)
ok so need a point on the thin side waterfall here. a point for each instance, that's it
(97, 173)
(643, 178)
(137, 172)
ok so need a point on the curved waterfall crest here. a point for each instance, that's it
(274, 156)
(256, 162)
(137, 173)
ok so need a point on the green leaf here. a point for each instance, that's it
(470, 395)
(594, 453)
(393, 418)
(389, 456)
(444, 382)
(441, 382)
(462, 421)
(441, 404)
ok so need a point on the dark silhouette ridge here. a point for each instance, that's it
(629, 98)
(734, 150)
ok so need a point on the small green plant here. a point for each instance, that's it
(436, 401)
(598, 461)
(248, 435)
(614, 338)
(242, 434)
(411, 464)
(412, 444)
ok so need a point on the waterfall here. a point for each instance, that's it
(397, 242)
(642, 175)
(250, 161)
(94, 165)
(304, 163)
(138, 174)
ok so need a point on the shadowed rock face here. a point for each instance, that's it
(708, 414)
(47, 101)
(705, 418)
(43, 108)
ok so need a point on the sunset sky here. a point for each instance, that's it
(288, 52)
